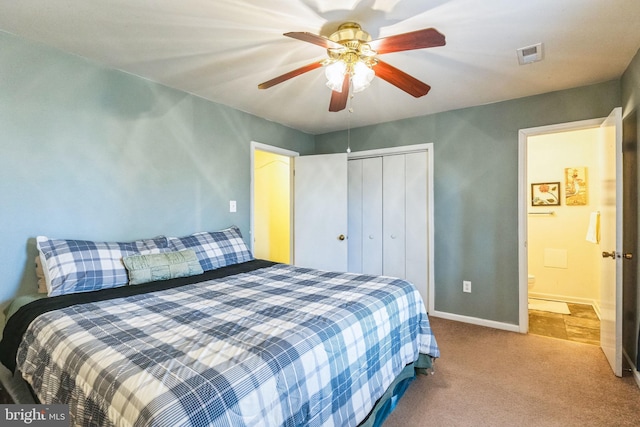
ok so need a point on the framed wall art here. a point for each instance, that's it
(576, 186)
(545, 194)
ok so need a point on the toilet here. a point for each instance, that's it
(531, 281)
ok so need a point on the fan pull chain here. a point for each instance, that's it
(350, 111)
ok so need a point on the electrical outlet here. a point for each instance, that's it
(466, 286)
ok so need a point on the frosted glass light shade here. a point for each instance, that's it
(335, 75)
(361, 77)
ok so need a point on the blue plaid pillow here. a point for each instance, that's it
(214, 249)
(72, 266)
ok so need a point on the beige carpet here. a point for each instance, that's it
(489, 377)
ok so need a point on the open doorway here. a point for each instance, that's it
(563, 273)
(271, 200)
(550, 159)
(604, 226)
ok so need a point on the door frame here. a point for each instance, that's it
(405, 149)
(283, 152)
(523, 207)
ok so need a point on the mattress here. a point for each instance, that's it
(255, 344)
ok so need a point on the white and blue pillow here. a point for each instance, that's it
(72, 266)
(214, 249)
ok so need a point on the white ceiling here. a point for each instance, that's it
(222, 49)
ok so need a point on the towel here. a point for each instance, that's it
(593, 232)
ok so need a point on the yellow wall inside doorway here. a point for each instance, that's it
(272, 207)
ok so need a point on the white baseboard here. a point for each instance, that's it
(475, 321)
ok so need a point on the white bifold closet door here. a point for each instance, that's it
(365, 215)
(388, 217)
(393, 216)
(416, 228)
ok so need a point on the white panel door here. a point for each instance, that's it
(393, 216)
(417, 257)
(611, 240)
(320, 211)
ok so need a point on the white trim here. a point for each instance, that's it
(523, 262)
(271, 149)
(475, 321)
(405, 149)
(430, 224)
(523, 134)
(564, 127)
(391, 150)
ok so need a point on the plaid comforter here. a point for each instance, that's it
(276, 346)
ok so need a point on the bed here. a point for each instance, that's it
(228, 341)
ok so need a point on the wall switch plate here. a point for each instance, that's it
(466, 286)
(232, 206)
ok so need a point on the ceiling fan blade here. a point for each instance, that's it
(401, 80)
(315, 39)
(429, 37)
(339, 99)
(290, 75)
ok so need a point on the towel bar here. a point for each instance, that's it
(543, 213)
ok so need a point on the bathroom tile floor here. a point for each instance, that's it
(582, 325)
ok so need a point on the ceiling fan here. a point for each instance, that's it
(353, 60)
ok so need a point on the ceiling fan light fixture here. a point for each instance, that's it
(352, 56)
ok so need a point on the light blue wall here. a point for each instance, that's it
(476, 188)
(88, 152)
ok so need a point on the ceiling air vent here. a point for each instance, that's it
(529, 54)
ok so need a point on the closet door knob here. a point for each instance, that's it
(611, 254)
(628, 255)
(393, 236)
(341, 237)
(371, 236)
